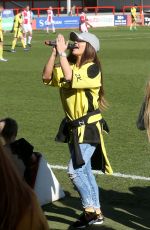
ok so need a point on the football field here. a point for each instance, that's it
(125, 59)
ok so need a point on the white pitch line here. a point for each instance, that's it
(128, 176)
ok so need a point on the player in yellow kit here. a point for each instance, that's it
(133, 17)
(1, 37)
(17, 28)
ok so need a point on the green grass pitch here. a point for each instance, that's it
(125, 59)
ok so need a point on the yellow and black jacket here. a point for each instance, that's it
(17, 21)
(17, 26)
(83, 122)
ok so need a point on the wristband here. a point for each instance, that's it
(62, 54)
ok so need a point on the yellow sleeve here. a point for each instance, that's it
(58, 79)
(15, 21)
(88, 76)
(20, 20)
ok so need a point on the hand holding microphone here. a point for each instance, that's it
(53, 43)
(60, 45)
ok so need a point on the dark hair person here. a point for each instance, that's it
(79, 78)
(19, 209)
(8, 129)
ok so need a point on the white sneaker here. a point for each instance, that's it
(3, 59)
(26, 49)
(13, 51)
(100, 219)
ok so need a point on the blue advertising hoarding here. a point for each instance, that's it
(7, 19)
(8, 14)
(120, 20)
(59, 22)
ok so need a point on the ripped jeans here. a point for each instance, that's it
(83, 177)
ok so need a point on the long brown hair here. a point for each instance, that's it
(147, 109)
(90, 55)
(15, 195)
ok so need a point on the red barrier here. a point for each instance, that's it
(139, 7)
(79, 9)
(94, 9)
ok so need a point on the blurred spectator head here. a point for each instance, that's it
(62, 9)
(85, 10)
(27, 7)
(8, 130)
(50, 8)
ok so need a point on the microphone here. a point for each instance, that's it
(53, 43)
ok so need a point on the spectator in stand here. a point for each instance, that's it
(133, 18)
(72, 11)
(62, 10)
(83, 23)
(17, 28)
(19, 208)
(1, 37)
(50, 20)
(27, 25)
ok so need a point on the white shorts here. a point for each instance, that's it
(27, 28)
(83, 27)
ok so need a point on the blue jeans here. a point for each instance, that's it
(83, 177)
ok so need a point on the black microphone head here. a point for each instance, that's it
(71, 45)
(53, 43)
(50, 43)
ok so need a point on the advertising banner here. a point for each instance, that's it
(7, 24)
(59, 22)
(147, 19)
(101, 20)
(7, 19)
(8, 14)
(120, 20)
